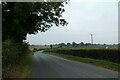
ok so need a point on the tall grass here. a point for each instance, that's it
(14, 57)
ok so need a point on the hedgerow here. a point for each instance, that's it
(101, 54)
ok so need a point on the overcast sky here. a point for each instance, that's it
(97, 17)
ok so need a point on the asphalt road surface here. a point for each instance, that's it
(49, 66)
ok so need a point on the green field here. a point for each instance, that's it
(76, 48)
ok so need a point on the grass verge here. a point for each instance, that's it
(25, 68)
(101, 63)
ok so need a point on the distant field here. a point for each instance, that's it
(76, 48)
(38, 47)
(31, 47)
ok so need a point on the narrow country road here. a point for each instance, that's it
(49, 66)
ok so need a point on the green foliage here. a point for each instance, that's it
(22, 18)
(13, 52)
(62, 45)
(101, 54)
(35, 49)
(51, 46)
(93, 47)
(13, 56)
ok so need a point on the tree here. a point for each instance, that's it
(87, 44)
(82, 44)
(118, 44)
(22, 18)
(74, 44)
(51, 46)
(62, 44)
(68, 44)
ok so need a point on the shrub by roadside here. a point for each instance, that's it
(16, 59)
(101, 54)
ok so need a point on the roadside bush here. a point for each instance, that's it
(35, 49)
(102, 54)
(13, 52)
(12, 55)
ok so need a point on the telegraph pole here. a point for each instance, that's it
(92, 39)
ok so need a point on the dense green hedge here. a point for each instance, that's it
(102, 54)
(13, 53)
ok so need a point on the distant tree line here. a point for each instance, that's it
(74, 44)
